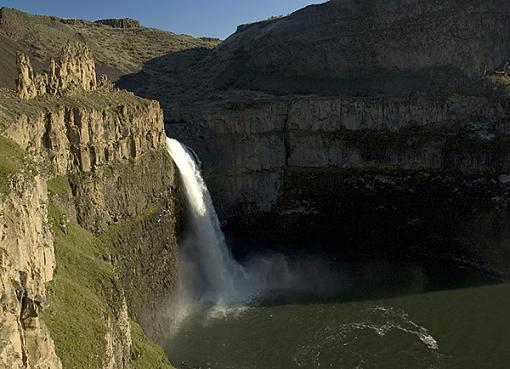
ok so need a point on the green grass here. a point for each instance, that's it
(4, 120)
(146, 354)
(85, 292)
(113, 232)
(58, 185)
(12, 160)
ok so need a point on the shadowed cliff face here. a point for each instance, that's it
(414, 115)
(367, 48)
(241, 143)
(356, 174)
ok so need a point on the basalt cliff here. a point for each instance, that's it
(88, 244)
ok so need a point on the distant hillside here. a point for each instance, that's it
(368, 48)
(119, 46)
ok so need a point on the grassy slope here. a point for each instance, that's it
(12, 161)
(79, 295)
(128, 49)
(84, 292)
(146, 355)
(117, 51)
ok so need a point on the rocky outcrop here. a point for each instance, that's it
(120, 23)
(75, 72)
(118, 341)
(105, 84)
(26, 80)
(77, 69)
(27, 263)
(84, 138)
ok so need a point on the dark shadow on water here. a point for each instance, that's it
(322, 279)
(383, 279)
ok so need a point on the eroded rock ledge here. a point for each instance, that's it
(120, 23)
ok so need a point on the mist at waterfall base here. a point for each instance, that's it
(211, 276)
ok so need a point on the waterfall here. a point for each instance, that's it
(211, 271)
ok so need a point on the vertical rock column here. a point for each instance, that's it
(27, 262)
(75, 72)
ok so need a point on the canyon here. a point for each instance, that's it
(373, 128)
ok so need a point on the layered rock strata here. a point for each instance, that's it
(310, 167)
(120, 23)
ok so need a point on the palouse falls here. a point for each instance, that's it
(214, 185)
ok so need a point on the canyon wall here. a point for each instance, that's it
(355, 124)
(89, 229)
(371, 172)
(258, 139)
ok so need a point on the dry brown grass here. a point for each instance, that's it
(118, 51)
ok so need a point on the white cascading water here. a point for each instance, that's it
(211, 270)
(209, 273)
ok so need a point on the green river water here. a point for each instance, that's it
(383, 315)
